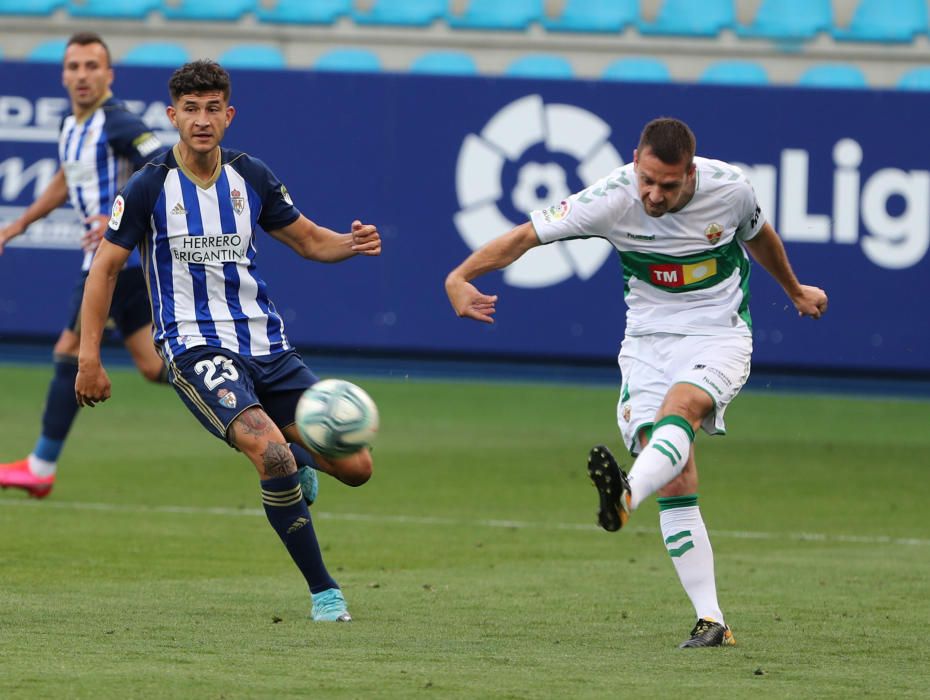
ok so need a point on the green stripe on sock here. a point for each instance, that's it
(669, 502)
(677, 536)
(672, 448)
(665, 452)
(675, 553)
(675, 420)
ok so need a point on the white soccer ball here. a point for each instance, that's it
(336, 418)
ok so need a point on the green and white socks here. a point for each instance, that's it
(689, 547)
(662, 459)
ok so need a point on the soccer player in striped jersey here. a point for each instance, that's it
(192, 213)
(682, 225)
(100, 144)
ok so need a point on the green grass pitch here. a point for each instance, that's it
(471, 561)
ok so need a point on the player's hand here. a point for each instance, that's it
(92, 384)
(810, 301)
(468, 302)
(96, 227)
(365, 239)
(9, 232)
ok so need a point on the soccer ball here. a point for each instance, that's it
(336, 418)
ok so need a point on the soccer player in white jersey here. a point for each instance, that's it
(682, 225)
(100, 144)
(193, 213)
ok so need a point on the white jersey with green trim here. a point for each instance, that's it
(684, 272)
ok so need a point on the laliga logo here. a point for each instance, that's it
(523, 125)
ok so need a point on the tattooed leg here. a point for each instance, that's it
(259, 439)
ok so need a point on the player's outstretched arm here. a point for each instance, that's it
(51, 198)
(767, 249)
(92, 383)
(315, 242)
(465, 298)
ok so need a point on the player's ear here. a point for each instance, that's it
(230, 113)
(172, 112)
(635, 156)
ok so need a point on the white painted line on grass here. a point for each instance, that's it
(428, 520)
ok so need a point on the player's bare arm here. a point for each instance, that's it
(768, 250)
(54, 196)
(465, 298)
(92, 384)
(321, 244)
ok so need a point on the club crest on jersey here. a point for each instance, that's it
(116, 215)
(286, 196)
(227, 398)
(238, 201)
(713, 233)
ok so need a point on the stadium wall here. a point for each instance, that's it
(443, 164)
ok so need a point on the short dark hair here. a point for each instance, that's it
(670, 140)
(88, 38)
(197, 77)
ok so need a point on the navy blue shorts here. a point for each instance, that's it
(129, 310)
(217, 385)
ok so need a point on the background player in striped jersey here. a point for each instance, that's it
(193, 213)
(100, 144)
(681, 225)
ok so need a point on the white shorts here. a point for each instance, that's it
(651, 364)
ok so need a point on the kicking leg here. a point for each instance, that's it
(254, 433)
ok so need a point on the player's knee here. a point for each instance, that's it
(355, 471)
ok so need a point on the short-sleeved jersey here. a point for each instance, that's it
(99, 153)
(197, 241)
(684, 272)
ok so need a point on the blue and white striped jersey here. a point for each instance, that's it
(197, 241)
(99, 153)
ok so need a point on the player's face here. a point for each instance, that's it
(201, 119)
(662, 187)
(86, 75)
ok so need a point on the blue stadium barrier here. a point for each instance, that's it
(253, 56)
(637, 69)
(411, 13)
(885, 21)
(303, 12)
(545, 66)
(444, 63)
(690, 18)
(608, 16)
(30, 7)
(495, 14)
(790, 20)
(735, 73)
(113, 9)
(466, 156)
(833, 75)
(915, 79)
(350, 60)
(156, 53)
(51, 51)
(209, 10)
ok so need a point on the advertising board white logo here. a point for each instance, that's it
(533, 142)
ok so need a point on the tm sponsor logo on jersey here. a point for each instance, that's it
(673, 275)
(224, 248)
